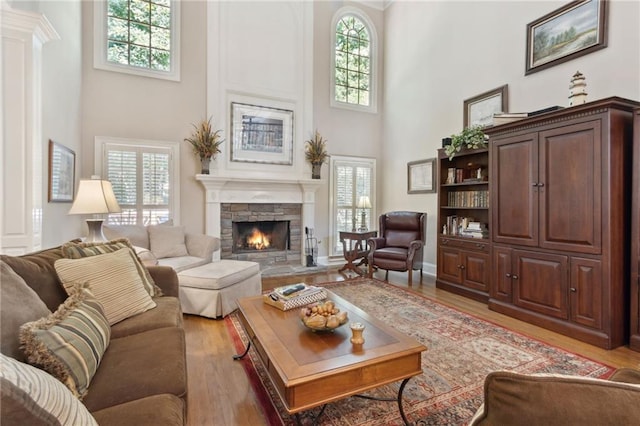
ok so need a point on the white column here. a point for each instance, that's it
(21, 145)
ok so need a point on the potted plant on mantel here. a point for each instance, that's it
(316, 154)
(205, 143)
(470, 138)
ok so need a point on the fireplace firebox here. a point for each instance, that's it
(264, 235)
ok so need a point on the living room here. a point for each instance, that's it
(429, 58)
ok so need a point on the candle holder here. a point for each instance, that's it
(356, 330)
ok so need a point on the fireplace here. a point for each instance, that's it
(267, 233)
(260, 235)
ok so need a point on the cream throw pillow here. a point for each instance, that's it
(29, 391)
(167, 241)
(113, 279)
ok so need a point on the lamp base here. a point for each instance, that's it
(95, 231)
(363, 222)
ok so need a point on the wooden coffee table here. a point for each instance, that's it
(310, 369)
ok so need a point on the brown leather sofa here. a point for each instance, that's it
(142, 378)
(547, 399)
(399, 246)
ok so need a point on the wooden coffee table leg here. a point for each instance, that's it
(246, 351)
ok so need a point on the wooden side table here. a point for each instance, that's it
(354, 247)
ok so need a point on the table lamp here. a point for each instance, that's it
(363, 203)
(95, 196)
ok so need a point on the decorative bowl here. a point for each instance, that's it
(317, 316)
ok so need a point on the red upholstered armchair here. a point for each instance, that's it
(400, 243)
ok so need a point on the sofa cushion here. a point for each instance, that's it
(32, 397)
(38, 272)
(167, 241)
(156, 410)
(69, 343)
(113, 279)
(146, 256)
(183, 262)
(80, 250)
(18, 304)
(539, 399)
(218, 274)
(167, 313)
(136, 234)
(138, 366)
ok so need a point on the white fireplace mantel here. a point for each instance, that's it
(220, 190)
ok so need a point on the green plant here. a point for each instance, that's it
(316, 149)
(205, 141)
(471, 138)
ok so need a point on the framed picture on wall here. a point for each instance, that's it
(479, 110)
(421, 176)
(261, 134)
(569, 32)
(62, 173)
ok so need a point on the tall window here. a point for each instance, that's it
(144, 177)
(138, 36)
(353, 61)
(351, 178)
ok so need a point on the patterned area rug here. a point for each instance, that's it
(462, 350)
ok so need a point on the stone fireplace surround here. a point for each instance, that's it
(239, 190)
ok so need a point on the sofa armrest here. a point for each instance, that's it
(166, 278)
(518, 399)
(202, 245)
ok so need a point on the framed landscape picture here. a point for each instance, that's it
(479, 110)
(261, 134)
(574, 30)
(421, 176)
(62, 168)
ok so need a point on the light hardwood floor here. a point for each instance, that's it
(220, 393)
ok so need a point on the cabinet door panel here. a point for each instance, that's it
(586, 292)
(540, 283)
(476, 270)
(501, 282)
(514, 202)
(570, 195)
(449, 265)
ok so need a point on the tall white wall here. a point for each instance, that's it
(129, 106)
(349, 133)
(437, 54)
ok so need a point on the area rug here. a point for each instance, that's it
(462, 350)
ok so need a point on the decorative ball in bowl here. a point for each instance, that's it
(323, 316)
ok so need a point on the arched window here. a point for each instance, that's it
(354, 55)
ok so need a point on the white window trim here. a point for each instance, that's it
(373, 220)
(100, 45)
(373, 40)
(102, 142)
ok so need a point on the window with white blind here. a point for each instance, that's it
(351, 178)
(145, 179)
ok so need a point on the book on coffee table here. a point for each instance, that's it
(294, 296)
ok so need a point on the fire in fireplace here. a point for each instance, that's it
(260, 235)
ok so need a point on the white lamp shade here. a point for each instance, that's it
(94, 197)
(364, 202)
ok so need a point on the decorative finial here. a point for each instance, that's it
(577, 89)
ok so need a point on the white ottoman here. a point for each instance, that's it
(212, 290)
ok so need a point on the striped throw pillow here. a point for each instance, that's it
(69, 343)
(28, 392)
(72, 250)
(112, 278)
